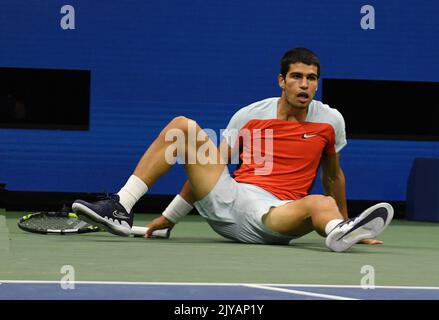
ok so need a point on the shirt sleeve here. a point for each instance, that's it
(340, 131)
(231, 133)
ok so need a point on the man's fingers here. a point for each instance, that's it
(157, 224)
(149, 231)
(371, 241)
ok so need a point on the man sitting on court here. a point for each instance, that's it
(267, 201)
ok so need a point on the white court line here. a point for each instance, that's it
(222, 284)
(351, 286)
(302, 293)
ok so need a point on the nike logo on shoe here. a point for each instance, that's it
(120, 215)
(379, 213)
(307, 136)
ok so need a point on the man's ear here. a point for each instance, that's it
(281, 81)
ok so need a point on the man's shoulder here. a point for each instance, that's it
(259, 109)
(267, 103)
(323, 112)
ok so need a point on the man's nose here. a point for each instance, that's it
(303, 83)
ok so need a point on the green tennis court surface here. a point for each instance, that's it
(196, 254)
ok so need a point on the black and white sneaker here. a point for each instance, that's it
(367, 225)
(108, 214)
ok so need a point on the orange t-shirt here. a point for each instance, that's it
(281, 156)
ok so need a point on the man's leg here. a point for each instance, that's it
(203, 170)
(201, 177)
(300, 217)
(321, 214)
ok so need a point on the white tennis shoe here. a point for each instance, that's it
(368, 224)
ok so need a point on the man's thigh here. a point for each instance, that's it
(290, 219)
(204, 164)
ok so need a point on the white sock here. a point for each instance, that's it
(131, 192)
(332, 224)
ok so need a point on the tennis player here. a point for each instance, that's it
(280, 143)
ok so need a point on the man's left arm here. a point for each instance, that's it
(333, 181)
(334, 184)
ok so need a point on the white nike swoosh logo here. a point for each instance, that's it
(307, 136)
(120, 216)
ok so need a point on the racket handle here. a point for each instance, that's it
(141, 231)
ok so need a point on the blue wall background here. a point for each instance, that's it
(155, 59)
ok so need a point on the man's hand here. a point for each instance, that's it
(371, 241)
(157, 224)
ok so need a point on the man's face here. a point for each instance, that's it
(299, 84)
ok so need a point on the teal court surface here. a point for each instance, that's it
(197, 264)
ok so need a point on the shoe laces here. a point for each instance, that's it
(108, 196)
(349, 222)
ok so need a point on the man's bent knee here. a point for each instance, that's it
(180, 123)
(179, 127)
(313, 200)
(320, 203)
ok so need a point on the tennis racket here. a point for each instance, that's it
(58, 222)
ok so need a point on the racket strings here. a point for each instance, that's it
(57, 223)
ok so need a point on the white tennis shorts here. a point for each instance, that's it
(235, 210)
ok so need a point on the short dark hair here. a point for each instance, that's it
(296, 55)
